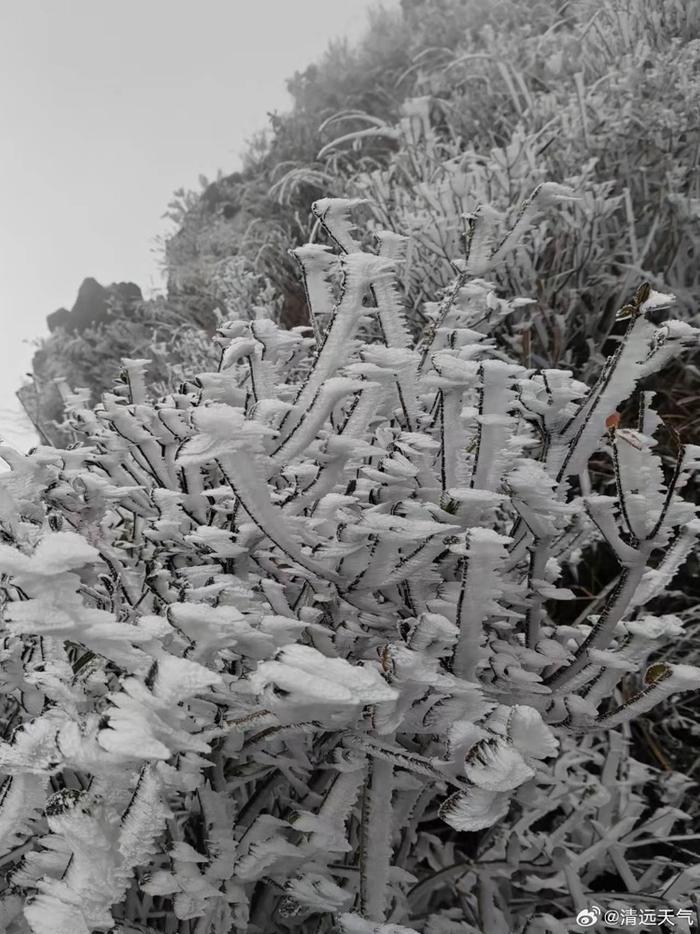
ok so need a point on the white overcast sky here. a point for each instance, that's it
(106, 108)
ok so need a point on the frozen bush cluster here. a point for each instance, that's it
(282, 651)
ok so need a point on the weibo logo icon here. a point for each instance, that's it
(587, 917)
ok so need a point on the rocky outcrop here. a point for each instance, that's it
(94, 304)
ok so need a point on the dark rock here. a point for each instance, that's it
(93, 305)
(90, 305)
(58, 319)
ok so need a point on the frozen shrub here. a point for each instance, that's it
(283, 650)
(602, 96)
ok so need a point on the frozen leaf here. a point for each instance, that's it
(318, 893)
(474, 809)
(55, 554)
(529, 734)
(311, 677)
(495, 766)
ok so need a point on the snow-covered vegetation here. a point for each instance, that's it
(446, 104)
(365, 601)
(291, 647)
